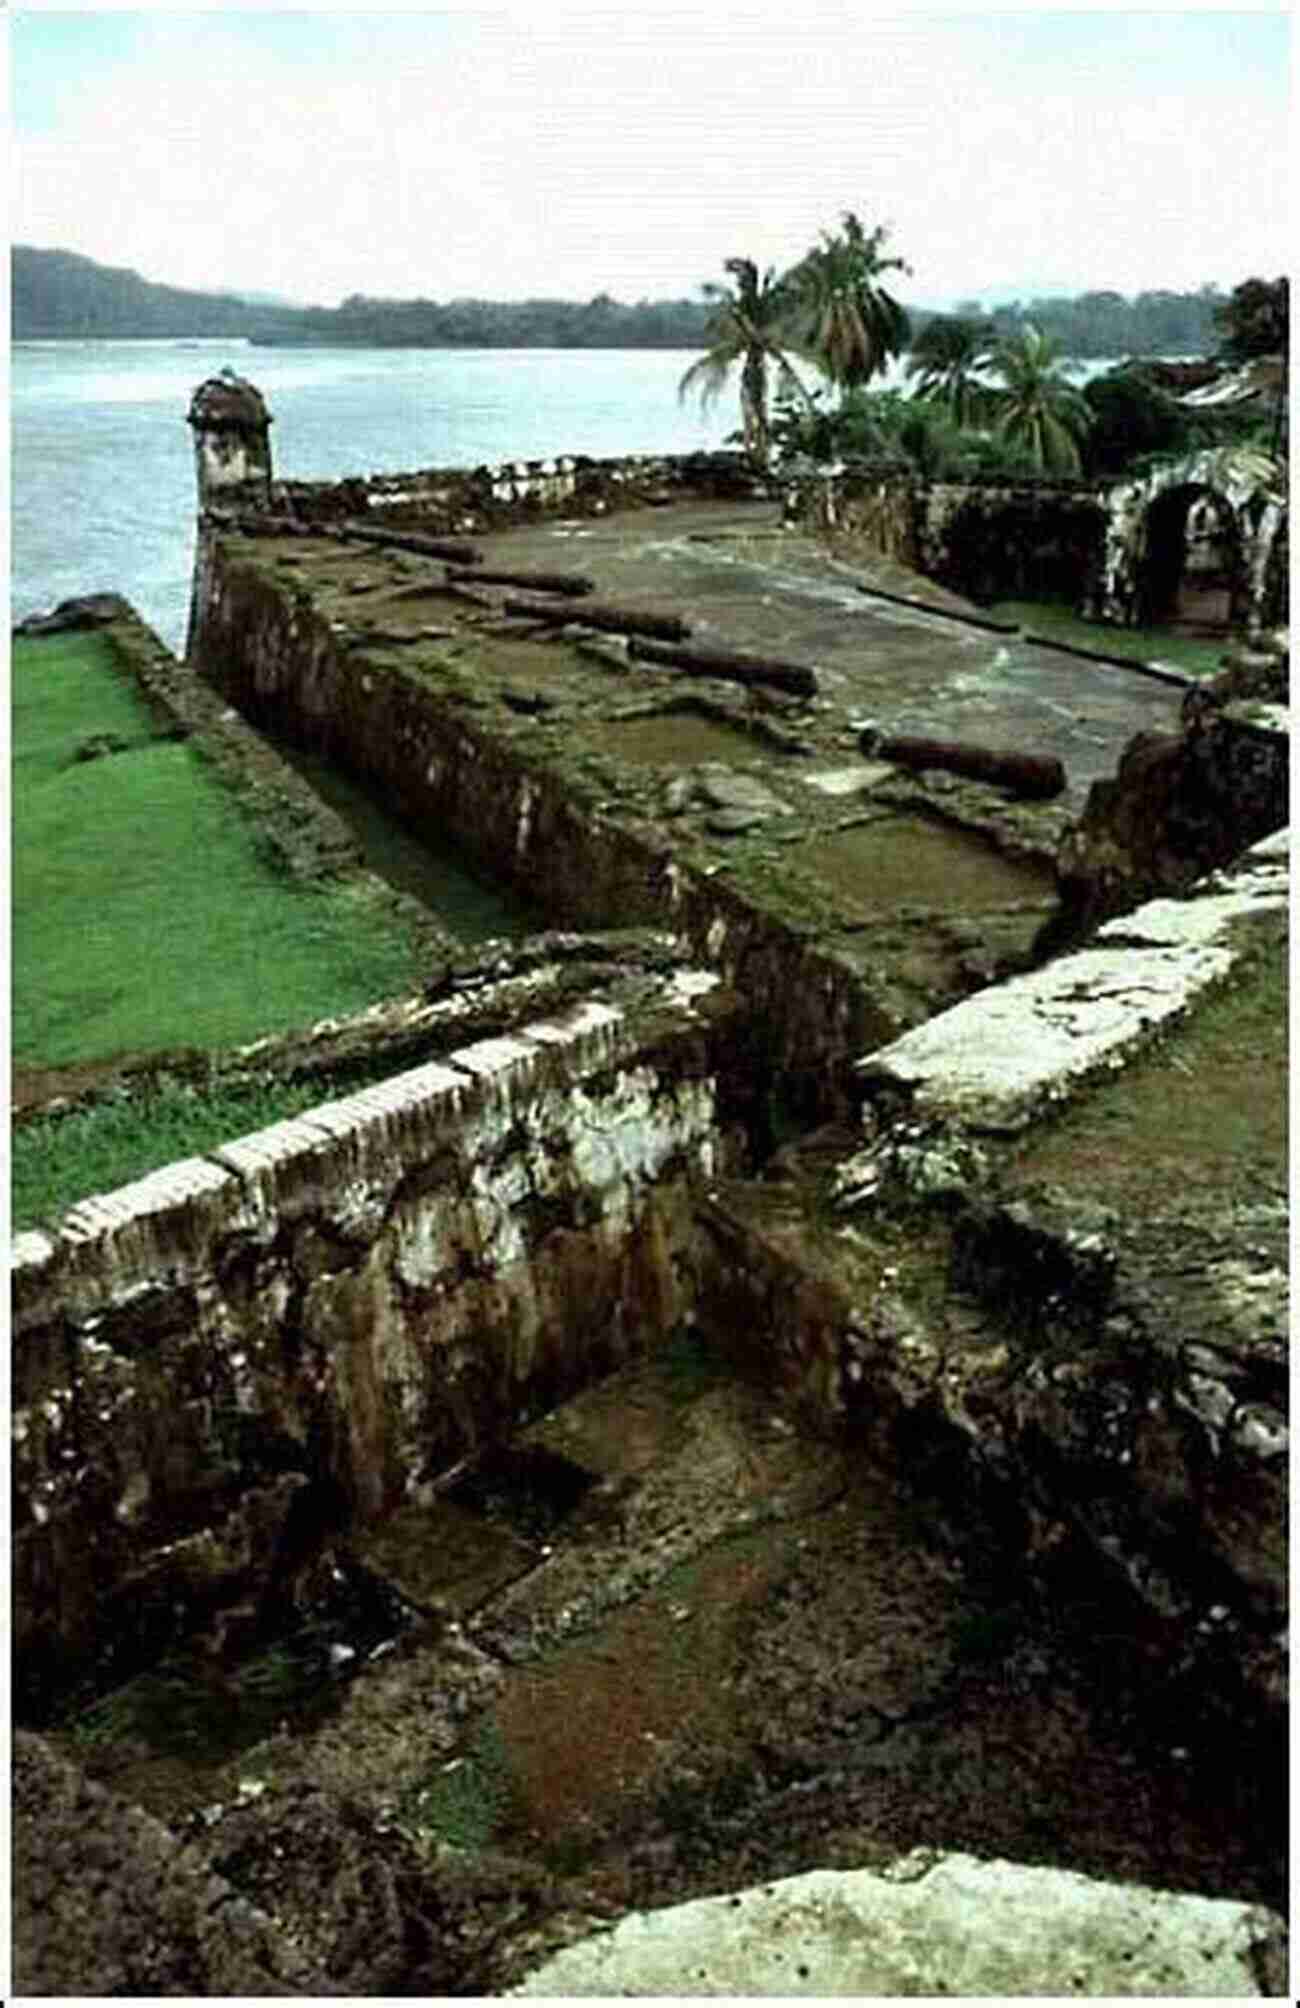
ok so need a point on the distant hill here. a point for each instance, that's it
(61, 293)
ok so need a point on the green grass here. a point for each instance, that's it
(1203, 1112)
(1058, 622)
(56, 1160)
(463, 1803)
(67, 689)
(143, 915)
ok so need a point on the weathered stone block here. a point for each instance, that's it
(931, 1924)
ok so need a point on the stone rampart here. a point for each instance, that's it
(987, 540)
(459, 501)
(524, 819)
(358, 1297)
(1089, 542)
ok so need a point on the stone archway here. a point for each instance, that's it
(1191, 574)
(1240, 492)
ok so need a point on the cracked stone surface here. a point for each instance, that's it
(932, 1923)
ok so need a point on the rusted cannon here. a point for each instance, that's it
(612, 620)
(793, 677)
(571, 583)
(411, 540)
(1033, 777)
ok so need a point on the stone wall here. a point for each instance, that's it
(1105, 1385)
(529, 821)
(1089, 542)
(988, 540)
(1248, 490)
(446, 501)
(355, 1299)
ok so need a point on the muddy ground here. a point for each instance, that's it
(666, 1646)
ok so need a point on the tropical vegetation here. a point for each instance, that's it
(944, 357)
(1255, 321)
(830, 309)
(841, 312)
(752, 328)
(1034, 405)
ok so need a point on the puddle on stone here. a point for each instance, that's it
(673, 739)
(906, 860)
(445, 1556)
(526, 1487)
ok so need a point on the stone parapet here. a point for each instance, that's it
(367, 1292)
(459, 501)
(996, 1061)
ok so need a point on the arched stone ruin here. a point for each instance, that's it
(1200, 536)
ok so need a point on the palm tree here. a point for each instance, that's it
(945, 355)
(848, 322)
(750, 326)
(1036, 406)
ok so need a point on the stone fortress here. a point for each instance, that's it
(863, 911)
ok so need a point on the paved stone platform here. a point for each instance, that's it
(921, 887)
(747, 583)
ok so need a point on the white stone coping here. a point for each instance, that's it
(29, 1251)
(1278, 845)
(169, 1188)
(931, 1924)
(252, 1159)
(587, 1017)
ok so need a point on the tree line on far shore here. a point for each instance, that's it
(62, 294)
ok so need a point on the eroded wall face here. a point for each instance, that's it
(533, 824)
(1247, 496)
(363, 1295)
(987, 540)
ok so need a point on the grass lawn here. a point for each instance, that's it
(143, 916)
(1057, 621)
(56, 1160)
(1205, 1111)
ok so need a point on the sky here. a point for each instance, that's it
(539, 151)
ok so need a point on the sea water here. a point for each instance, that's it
(102, 460)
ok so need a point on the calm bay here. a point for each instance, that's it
(102, 460)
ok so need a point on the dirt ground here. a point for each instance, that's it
(675, 1647)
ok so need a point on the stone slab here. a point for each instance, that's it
(171, 1187)
(997, 1058)
(932, 1924)
(849, 780)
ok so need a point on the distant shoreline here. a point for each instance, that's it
(346, 342)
